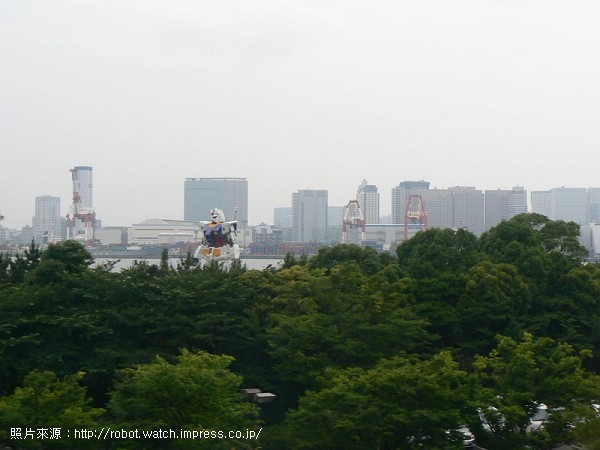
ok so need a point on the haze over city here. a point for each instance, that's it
(292, 95)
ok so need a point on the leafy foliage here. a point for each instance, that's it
(399, 403)
(198, 392)
(518, 375)
(357, 346)
(14, 269)
(46, 402)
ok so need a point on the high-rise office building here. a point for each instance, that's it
(570, 205)
(579, 205)
(517, 201)
(457, 207)
(227, 194)
(593, 205)
(47, 221)
(283, 219)
(400, 196)
(439, 206)
(335, 219)
(502, 204)
(309, 214)
(541, 203)
(368, 200)
(468, 207)
(563, 203)
(85, 185)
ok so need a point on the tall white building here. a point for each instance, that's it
(594, 244)
(282, 217)
(579, 205)
(541, 203)
(594, 205)
(228, 194)
(47, 221)
(456, 207)
(309, 216)
(469, 207)
(335, 218)
(502, 204)
(570, 205)
(368, 200)
(85, 185)
(439, 205)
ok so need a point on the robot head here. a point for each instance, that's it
(214, 215)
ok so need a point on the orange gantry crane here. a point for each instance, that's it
(414, 214)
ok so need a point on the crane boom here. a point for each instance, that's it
(353, 219)
(81, 212)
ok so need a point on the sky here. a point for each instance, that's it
(292, 94)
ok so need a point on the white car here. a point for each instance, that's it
(537, 421)
(467, 436)
(491, 419)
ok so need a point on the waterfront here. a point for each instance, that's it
(250, 263)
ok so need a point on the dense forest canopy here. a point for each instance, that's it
(363, 350)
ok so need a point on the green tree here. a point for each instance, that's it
(45, 403)
(517, 375)
(24, 263)
(51, 322)
(543, 250)
(350, 319)
(494, 299)
(197, 392)
(400, 403)
(438, 260)
(5, 260)
(436, 251)
(366, 258)
(59, 260)
(588, 433)
(573, 313)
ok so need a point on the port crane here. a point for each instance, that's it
(219, 239)
(415, 214)
(353, 220)
(81, 212)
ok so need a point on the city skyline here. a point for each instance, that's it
(292, 95)
(429, 191)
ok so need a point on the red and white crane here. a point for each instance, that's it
(353, 219)
(80, 212)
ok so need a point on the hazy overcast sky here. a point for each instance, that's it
(293, 94)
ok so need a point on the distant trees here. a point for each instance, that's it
(14, 268)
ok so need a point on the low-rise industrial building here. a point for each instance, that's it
(163, 231)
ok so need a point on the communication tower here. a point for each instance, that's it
(81, 217)
(414, 214)
(353, 219)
